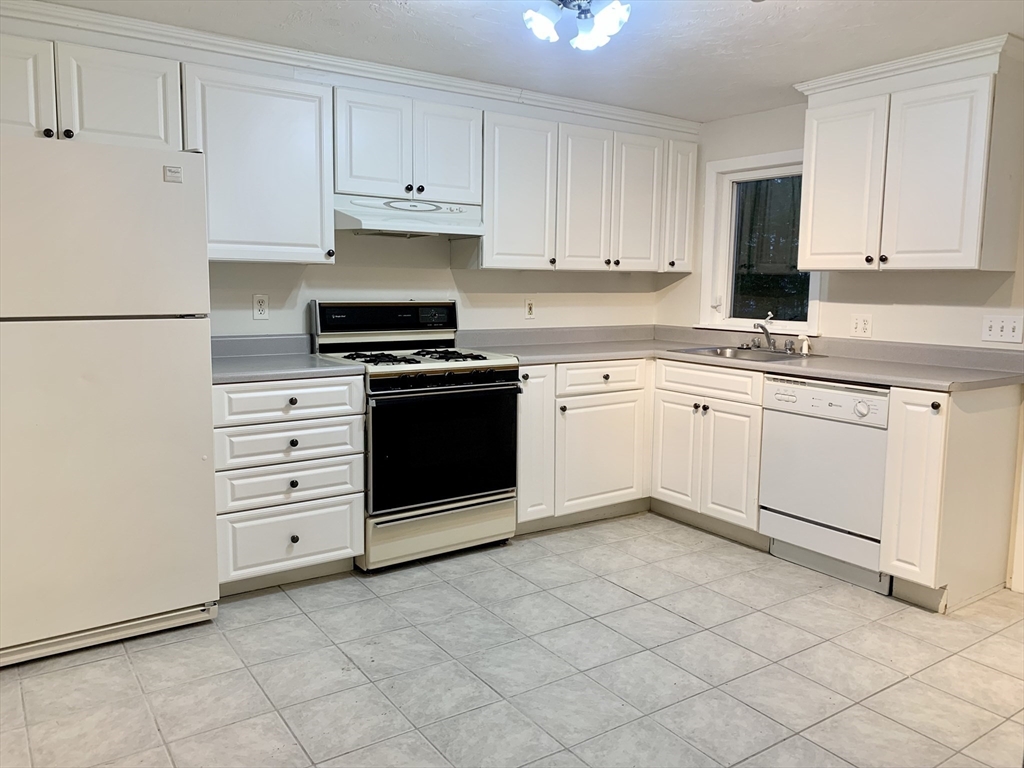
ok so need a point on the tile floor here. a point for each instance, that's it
(630, 642)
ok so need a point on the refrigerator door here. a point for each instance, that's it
(91, 230)
(106, 473)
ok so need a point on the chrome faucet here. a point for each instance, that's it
(768, 338)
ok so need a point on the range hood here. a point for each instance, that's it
(403, 217)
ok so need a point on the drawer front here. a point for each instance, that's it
(262, 444)
(261, 541)
(239, 489)
(724, 383)
(267, 401)
(594, 378)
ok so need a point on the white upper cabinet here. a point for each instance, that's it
(535, 495)
(447, 153)
(638, 195)
(393, 146)
(584, 197)
(113, 97)
(372, 143)
(267, 143)
(843, 178)
(935, 175)
(679, 204)
(520, 172)
(28, 97)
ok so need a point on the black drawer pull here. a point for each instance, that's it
(294, 539)
(562, 408)
(293, 401)
(936, 405)
(294, 483)
(606, 376)
(293, 443)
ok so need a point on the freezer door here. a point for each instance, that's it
(106, 473)
(91, 230)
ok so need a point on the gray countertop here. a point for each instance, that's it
(861, 371)
(241, 368)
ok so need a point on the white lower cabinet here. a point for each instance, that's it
(730, 461)
(536, 444)
(263, 541)
(599, 456)
(677, 448)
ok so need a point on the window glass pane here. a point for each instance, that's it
(765, 277)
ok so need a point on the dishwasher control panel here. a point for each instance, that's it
(826, 400)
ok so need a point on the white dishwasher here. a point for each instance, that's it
(823, 467)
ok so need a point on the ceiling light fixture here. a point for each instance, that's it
(596, 21)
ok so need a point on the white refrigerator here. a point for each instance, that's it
(107, 517)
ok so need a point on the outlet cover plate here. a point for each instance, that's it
(260, 306)
(860, 326)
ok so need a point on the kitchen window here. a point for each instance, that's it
(751, 241)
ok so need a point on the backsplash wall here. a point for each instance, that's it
(386, 268)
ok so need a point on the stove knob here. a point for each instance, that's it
(449, 375)
(861, 409)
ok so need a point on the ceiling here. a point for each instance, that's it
(696, 59)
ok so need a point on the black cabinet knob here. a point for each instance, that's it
(330, 253)
(936, 405)
(294, 539)
(616, 262)
(869, 259)
(883, 258)
(48, 133)
(293, 483)
(705, 408)
(68, 133)
(671, 263)
(606, 376)
(562, 408)
(696, 406)
(551, 260)
(293, 443)
(293, 401)
(408, 187)
(421, 189)
(607, 262)
(526, 377)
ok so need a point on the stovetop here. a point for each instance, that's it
(419, 360)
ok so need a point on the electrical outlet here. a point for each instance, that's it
(1002, 328)
(860, 326)
(260, 306)
(530, 314)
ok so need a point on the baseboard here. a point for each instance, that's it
(587, 516)
(711, 525)
(921, 596)
(285, 577)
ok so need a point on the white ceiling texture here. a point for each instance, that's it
(696, 59)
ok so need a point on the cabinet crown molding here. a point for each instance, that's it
(993, 46)
(66, 16)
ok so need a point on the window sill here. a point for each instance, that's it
(754, 332)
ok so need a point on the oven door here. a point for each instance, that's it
(436, 448)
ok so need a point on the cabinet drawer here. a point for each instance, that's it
(239, 489)
(266, 401)
(725, 383)
(262, 444)
(594, 378)
(261, 541)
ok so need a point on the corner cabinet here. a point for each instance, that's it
(269, 182)
(680, 190)
(520, 177)
(915, 170)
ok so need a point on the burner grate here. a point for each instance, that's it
(449, 355)
(381, 358)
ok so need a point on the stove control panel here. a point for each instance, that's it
(827, 400)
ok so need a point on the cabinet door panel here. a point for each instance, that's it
(268, 164)
(520, 172)
(677, 446)
(113, 97)
(637, 202)
(372, 143)
(843, 177)
(679, 207)
(28, 95)
(731, 462)
(598, 450)
(536, 447)
(584, 197)
(447, 151)
(911, 503)
(935, 175)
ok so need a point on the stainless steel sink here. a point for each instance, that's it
(738, 353)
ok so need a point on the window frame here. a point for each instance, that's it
(719, 234)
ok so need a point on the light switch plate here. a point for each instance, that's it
(260, 306)
(860, 326)
(530, 310)
(1002, 328)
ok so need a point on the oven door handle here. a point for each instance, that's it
(443, 391)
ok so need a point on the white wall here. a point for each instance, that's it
(375, 268)
(924, 307)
